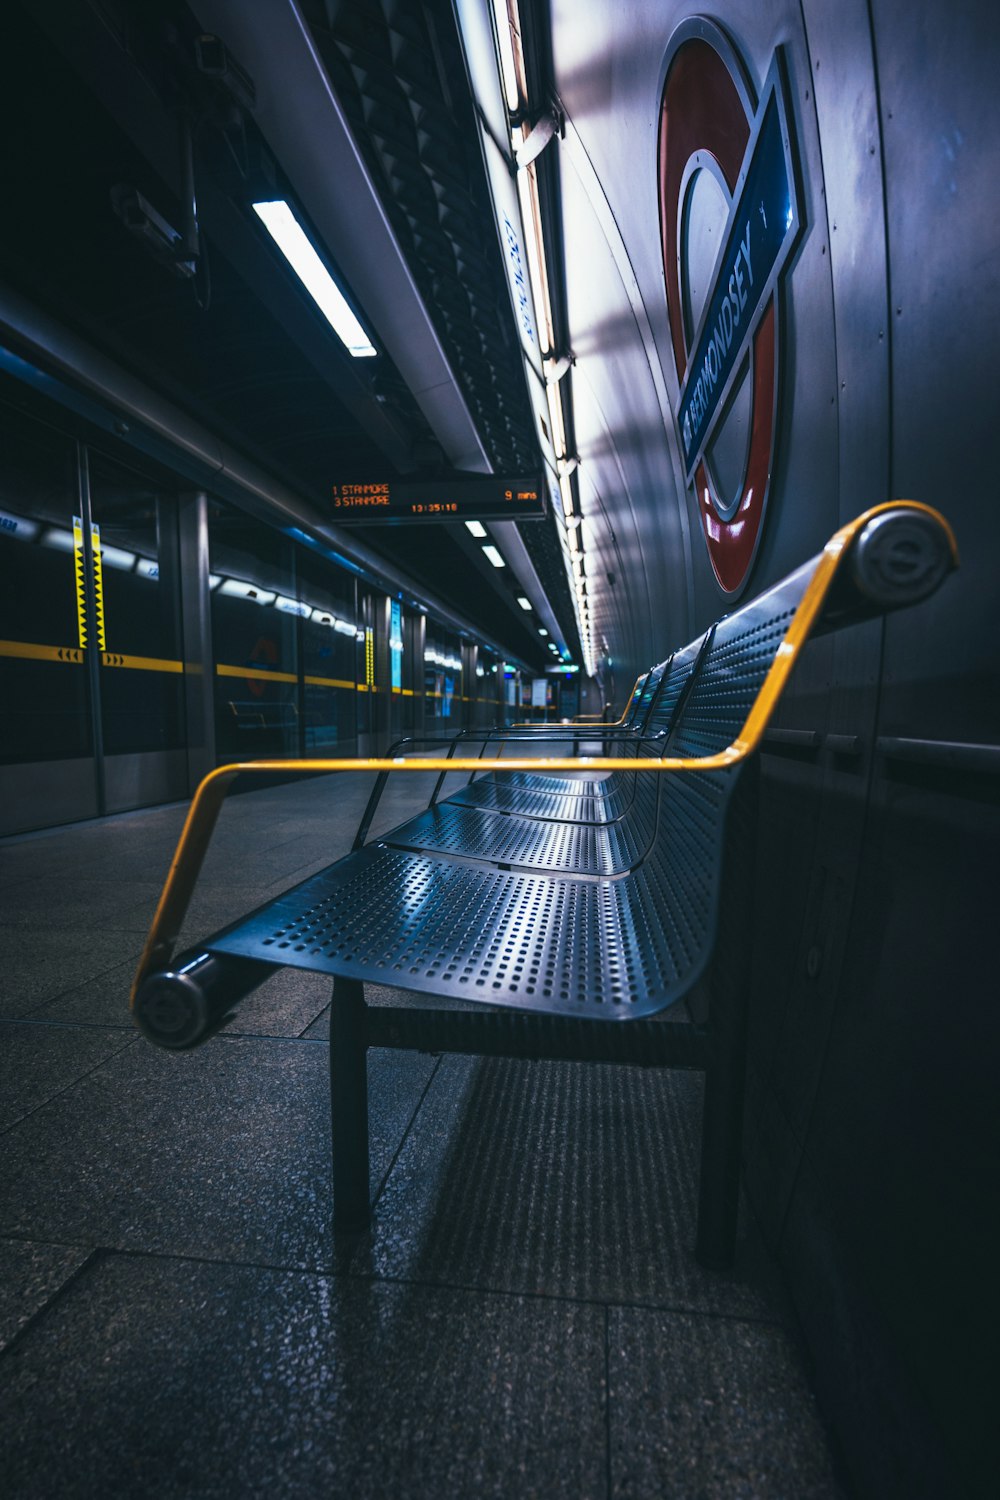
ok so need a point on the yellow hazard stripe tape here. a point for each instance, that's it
(208, 799)
(141, 663)
(333, 682)
(81, 587)
(95, 553)
(30, 652)
(222, 670)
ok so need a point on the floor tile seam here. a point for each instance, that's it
(90, 979)
(51, 1098)
(104, 1252)
(55, 1024)
(21, 1237)
(608, 1413)
(90, 825)
(261, 1036)
(345, 1275)
(406, 1134)
(610, 1305)
(83, 921)
(94, 1256)
(300, 1036)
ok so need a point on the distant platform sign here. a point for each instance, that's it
(466, 497)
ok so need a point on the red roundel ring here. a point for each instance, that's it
(705, 108)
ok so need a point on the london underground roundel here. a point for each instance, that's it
(729, 219)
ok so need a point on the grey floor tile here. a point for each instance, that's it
(286, 1005)
(102, 1001)
(561, 1178)
(30, 1274)
(166, 1379)
(80, 902)
(39, 963)
(222, 1152)
(38, 1061)
(711, 1409)
(379, 995)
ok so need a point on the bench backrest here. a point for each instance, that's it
(685, 858)
(638, 705)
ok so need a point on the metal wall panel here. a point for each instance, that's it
(869, 1131)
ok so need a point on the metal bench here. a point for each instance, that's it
(565, 960)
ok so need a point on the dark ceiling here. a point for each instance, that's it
(94, 95)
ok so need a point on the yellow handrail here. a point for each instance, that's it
(208, 799)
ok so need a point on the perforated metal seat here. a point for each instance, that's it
(533, 794)
(550, 926)
(640, 721)
(571, 847)
(557, 939)
(564, 945)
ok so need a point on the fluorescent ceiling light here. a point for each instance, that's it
(117, 557)
(542, 630)
(476, 527)
(56, 536)
(523, 602)
(291, 239)
(18, 526)
(292, 607)
(323, 617)
(147, 568)
(239, 590)
(494, 557)
(344, 627)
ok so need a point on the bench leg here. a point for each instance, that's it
(725, 1077)
(349, 1105)
(721, 1142)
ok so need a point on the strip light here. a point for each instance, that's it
(291, 239)
(494, 557)
(513, 75)
(477, 528)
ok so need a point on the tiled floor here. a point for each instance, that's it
(525, 1317)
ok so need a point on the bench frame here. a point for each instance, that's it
(717, 1047)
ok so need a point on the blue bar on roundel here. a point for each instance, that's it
(763, 225)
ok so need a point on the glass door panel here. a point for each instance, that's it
(137, 606)
(254, 638)
(47, 759)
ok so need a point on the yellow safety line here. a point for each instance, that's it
(222, 670)
(334, 682)
(208, 799)
(141, 663)
(30, 652)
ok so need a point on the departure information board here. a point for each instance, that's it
(467, 497)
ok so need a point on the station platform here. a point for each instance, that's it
(524, 1318)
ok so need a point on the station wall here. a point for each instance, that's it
(870, 1126)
